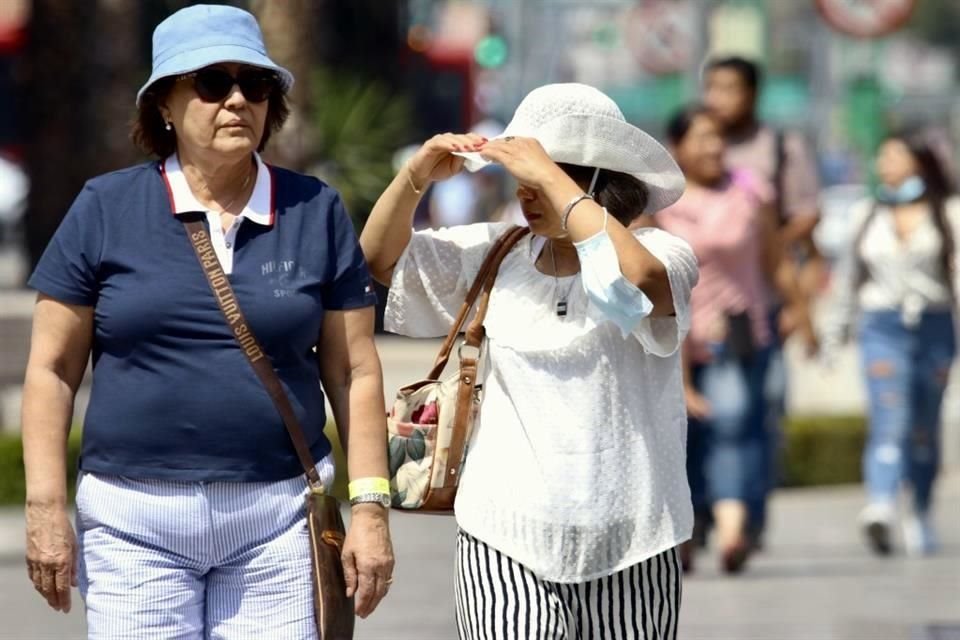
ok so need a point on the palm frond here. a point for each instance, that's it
(359, 124)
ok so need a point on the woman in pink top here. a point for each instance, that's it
(727, 221)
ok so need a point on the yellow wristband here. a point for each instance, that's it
(369, 485)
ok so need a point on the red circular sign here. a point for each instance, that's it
(866, 18)
(660, 36)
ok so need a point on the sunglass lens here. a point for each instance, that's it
(256, 85)
(213, 85)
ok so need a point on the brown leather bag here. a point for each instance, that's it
(431, 420)
(333, 611)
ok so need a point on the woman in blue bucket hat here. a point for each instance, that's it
(190, 500)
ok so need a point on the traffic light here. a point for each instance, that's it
(491, 52)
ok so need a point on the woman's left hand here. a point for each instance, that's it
(368, 557)
(795, 319)
(525, 159)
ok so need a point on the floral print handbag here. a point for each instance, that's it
(431, 420)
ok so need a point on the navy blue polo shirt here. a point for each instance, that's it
(173, 395)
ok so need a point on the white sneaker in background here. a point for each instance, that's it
(876, 520)
(919, 538)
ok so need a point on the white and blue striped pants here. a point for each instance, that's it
(195, 560)
(500, 599)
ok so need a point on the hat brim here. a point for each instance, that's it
(195, 59)
(607, 143)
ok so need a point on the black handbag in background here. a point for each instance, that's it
(739, 340)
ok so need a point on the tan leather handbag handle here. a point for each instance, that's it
(469, 365)
(488, 272)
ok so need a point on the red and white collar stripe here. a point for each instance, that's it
(260, 208)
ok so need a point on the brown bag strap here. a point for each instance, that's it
(487, 273)
(469, 363)
(227, 301)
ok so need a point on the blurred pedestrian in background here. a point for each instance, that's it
(728, 219)
(190, 500)
(13, 195)
(783, 160)
(898, 289)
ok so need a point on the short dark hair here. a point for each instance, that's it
(148, 129)
(749, 72)
(624, 196)
(681, 121)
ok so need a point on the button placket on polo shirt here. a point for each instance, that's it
(223, 242)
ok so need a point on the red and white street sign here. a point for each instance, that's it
(866, 18)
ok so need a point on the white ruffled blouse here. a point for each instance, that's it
(904, 275)
(576, 468)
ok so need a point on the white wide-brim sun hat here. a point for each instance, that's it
(579, 124)
(202, 35)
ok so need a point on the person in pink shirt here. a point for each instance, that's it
(727, 218)
(731, 89)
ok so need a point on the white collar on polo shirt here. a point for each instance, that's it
(259, 207)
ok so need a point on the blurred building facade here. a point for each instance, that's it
(842, 91)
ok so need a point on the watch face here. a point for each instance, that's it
(382, 499)
(866, 18)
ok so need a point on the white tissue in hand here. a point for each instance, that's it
(472, 160)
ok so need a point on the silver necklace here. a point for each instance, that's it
(560, 300)
(243, 187)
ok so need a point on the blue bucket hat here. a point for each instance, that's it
(205, 34)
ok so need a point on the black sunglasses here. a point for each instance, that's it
(213, 85)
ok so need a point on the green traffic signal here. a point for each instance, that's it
(491, 52)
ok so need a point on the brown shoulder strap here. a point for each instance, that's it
(488, 271)
(227, 301)
(469, 363)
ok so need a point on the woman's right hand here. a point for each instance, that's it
(51, 553)
(698, 406)
(434, 160)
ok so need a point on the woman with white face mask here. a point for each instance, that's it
(573, 497)
(900, 277)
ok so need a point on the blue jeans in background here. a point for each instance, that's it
(906, 371)
(775, 394)
(728, 453)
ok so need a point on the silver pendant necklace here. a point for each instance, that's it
(560, 300)
(233, 200)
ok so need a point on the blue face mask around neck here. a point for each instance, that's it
(619, 300)
(910, 190)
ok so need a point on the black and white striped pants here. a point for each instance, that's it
(500, 599)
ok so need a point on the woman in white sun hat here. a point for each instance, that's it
(574, 496)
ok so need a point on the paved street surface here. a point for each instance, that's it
(815, 582)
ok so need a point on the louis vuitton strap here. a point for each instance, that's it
(230, 306)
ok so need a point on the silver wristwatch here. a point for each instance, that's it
(383, 499)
